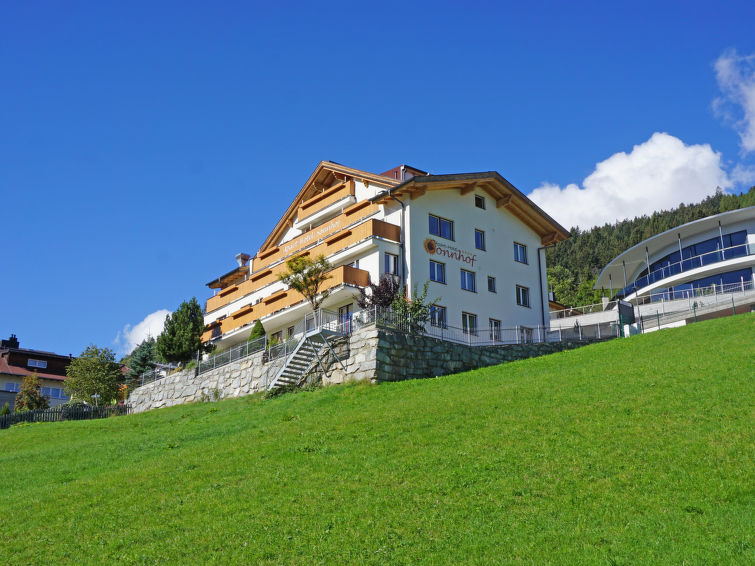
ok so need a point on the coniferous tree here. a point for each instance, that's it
(30, 397)
(258, 331)
(141, 360)
(181, 337)
(584, 254)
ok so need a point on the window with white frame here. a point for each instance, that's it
(42, 364)
(479, 201)
(495, 329)
(468, 281)
(12, 387)
(469, 323)
(522, 296)
(438, 316)
(491, 284)
(437, 271)
(391, 264)
(441, 227)
(520, 252)
(479, 240)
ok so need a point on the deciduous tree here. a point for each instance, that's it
(380, 295)
(306, 276)
(30, 397)
(94, 376)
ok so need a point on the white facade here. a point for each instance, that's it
(369, 223)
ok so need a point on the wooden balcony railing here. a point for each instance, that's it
(335, 243)
(351, 215)
(325, 199)
(281, 300)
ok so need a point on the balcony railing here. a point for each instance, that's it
(283, 299)
(686, 264)
(328, 246)
(325, 199)
(349, 217)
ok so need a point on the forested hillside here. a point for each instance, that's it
(574, 264)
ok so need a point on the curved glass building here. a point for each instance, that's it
(715, 254)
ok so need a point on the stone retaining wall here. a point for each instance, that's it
(401, 356)
(368, 353)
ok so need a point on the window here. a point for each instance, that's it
(13, 387)
(391, 264)
(441, 227)
(289, 332)
(438, 316)
(277, 337)
(495, 329)
(522, 296)
(479, 239)
(437, 271)
(520, 253)
(468, 281)
(469, 323)
(354, 264)
(37, 364)
(479, 202)
(491, 284)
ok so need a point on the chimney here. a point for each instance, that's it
(242, 259)
(11, 342)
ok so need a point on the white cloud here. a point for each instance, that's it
(131, 336)
(736, 78)
(657, 174)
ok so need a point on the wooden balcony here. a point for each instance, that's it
(335, 243)
(351, 215)
(325, 199)
(281, 300)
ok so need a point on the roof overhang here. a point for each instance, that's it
(324, 175)
(232, 275)
(504, 195)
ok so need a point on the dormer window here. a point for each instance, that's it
(41, 364)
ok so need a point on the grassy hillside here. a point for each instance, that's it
(635, 451)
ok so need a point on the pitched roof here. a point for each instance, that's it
(321, 178)
(8, 369)
(503, 193)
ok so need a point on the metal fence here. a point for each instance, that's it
(162, 370)
(492, 335)
(64, 413)
(277, 346)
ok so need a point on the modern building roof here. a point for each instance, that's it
(636, 256)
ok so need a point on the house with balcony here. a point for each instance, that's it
(475, 237)
(16, 363)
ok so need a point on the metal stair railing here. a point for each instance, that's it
(318, 325)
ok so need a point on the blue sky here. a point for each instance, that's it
(143, 145)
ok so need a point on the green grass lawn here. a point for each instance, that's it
(635, 451)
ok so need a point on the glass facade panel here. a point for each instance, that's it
(695, 255)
